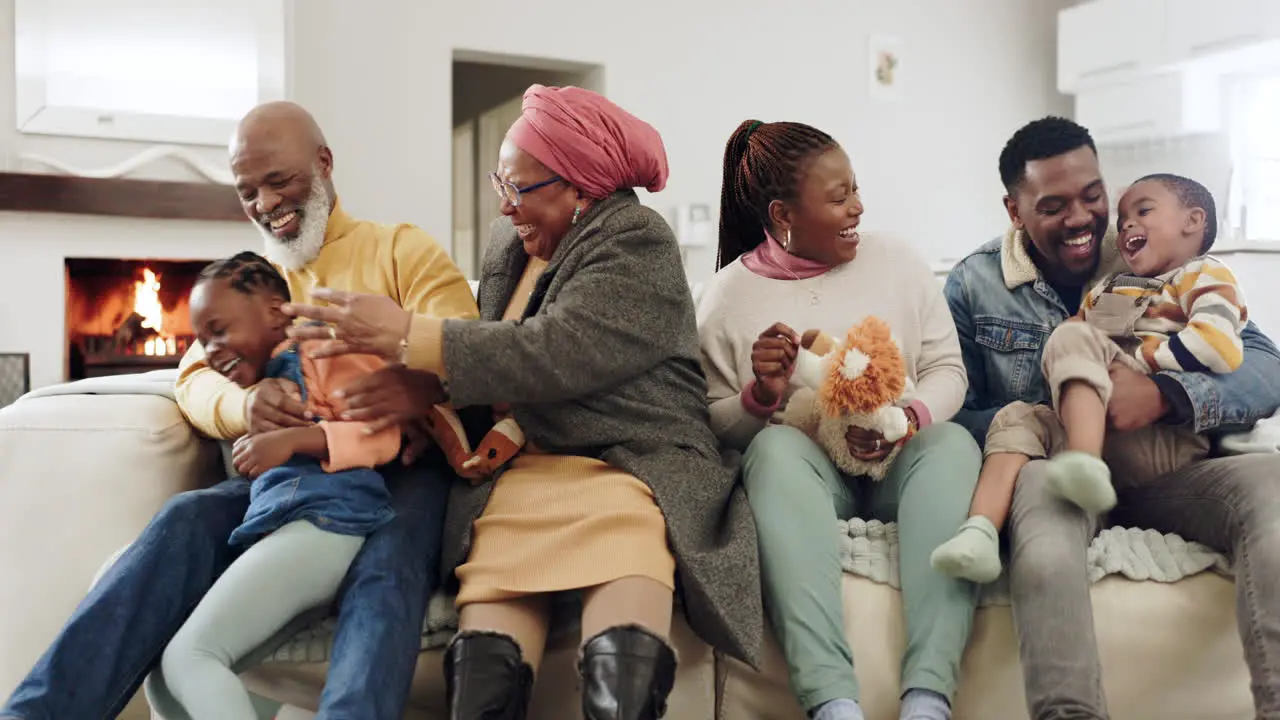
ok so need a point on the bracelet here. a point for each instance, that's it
(911, 431)
(913, 426)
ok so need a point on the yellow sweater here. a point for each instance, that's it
(400, 261)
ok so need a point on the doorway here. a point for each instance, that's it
(487, 94)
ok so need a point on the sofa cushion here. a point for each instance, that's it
(1163, 609)
(1167, 650)
(80, 476)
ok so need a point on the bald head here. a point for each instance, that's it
(280, 122)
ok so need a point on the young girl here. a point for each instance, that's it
(315, 495)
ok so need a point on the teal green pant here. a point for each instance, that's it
(797, 494)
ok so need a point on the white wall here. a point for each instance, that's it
(976, 70)
(1207, 159)
(33, 246)
(377, 75)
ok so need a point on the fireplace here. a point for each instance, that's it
(127, 316)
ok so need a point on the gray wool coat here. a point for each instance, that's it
(605, 363)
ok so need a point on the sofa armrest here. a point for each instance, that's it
(80, 476)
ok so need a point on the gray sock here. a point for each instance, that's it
(919, 704)
(841, 709)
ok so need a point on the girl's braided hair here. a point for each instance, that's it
(248, 272)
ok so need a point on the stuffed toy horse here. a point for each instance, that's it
(861, 382)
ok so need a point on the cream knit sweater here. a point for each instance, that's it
(887, 279)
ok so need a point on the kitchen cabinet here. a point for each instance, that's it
(1200, 29)
(1159, 106)
(1105, 40)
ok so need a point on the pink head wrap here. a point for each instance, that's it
(587, 140)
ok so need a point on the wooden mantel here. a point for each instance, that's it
(30, 192)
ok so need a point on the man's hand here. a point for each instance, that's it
(253, 455)
(417, 441)
(275, 404)
(390, 396)
(1136, 400)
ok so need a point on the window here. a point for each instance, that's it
(1254, 198)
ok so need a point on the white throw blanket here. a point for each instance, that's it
(870, 549)
(1263, 438)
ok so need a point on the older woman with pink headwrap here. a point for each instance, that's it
(588, 337)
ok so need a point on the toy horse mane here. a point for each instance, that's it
(867, 371)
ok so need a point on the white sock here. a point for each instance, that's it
(842, 709)
(1082, 479)
(920, 704)
(972, 554)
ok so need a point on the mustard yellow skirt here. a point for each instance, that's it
(559, 522)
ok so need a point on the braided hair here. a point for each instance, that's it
(1192, 195)
(248, 273)
(763, 162)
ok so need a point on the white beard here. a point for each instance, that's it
(305, 248)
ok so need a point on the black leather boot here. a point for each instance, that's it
(627, 674)
(486, 677)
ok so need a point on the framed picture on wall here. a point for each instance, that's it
(885, 65)
(15, 377)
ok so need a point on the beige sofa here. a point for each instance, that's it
(81, 474)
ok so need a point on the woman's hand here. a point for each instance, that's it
(870, 446)
(371, 324)
(275, 404)
(773, 359)
(392, 395)
(867, 445)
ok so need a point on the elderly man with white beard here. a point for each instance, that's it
(283, 173)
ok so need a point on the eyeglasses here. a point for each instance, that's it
(509, 192)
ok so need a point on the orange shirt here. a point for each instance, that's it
(349, 445)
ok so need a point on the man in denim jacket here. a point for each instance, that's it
(1006, 298)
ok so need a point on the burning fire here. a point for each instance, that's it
(146, 303)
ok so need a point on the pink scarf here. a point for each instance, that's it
(770, 260)
(589, 141)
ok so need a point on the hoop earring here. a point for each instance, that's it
(577, 210)
(786, 241)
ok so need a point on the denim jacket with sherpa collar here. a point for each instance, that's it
(1004, 311)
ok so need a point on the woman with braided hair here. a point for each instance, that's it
(791, 259)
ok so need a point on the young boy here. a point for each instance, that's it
(1177, 309)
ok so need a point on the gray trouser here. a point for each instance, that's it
(294, 569)
(1231, 505)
